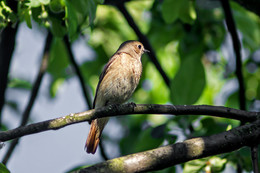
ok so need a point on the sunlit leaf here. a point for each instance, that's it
(37, 3)
(195, 165)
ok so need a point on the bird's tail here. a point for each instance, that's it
(93, 139)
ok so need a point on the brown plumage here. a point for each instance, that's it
(116, 85)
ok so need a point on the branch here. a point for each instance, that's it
(237, 48)
(77, 70)
(129, 108)
(181, 152)
(34, 92)
(7, 43)
(121, 7)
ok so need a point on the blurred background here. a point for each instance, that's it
(192, 47)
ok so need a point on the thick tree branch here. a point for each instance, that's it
(181, 152)
(77, 70)
(121, 7)
(7, 42)
(34, 93)
(129, 108)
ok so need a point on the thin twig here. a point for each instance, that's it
(86, 94)
(121, 7)
(237, 48)
(77, 70)
(129, 108)
(181, 152)
(254, 157)
(102, 150)
(34, 92)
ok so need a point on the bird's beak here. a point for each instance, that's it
(145, 50)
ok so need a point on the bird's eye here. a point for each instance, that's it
(139, 46)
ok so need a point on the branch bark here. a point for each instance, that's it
(181, 152)
(7, 42)
(121, 7)
(129, 108)
(34, 93)
(77, 70)
(237, 49)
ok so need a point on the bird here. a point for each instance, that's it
(116, 85)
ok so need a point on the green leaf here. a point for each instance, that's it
(217, 164)
(195, 165)
(212, 164)
(188, 13)
(3, 168)
(171, 9)
(189, 82)
(92, 7)
(57, 28)
(59, 61)
(174, 9)
(72, 20)
(248, 23)
(27, 17)
(55, 86)
(80, 6)
(19, 83)
(37, 3)
(145, 141)
(57, 6)
(13, 105)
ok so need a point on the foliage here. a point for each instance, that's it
(192, 45)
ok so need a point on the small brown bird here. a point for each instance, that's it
(116, 85)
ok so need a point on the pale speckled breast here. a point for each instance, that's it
(120, 81)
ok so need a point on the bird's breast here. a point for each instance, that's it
(121, 80)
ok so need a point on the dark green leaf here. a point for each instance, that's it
(13, 105)
(58, 64)
(145, 141)
(171, 9)
(174, 9)
(57, 6)
(19, 83)
(57, 28)
(72, 20)
(59, 59)
(3, 168)
(189, 82)
(27, 17)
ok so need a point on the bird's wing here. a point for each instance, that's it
(104, 72)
